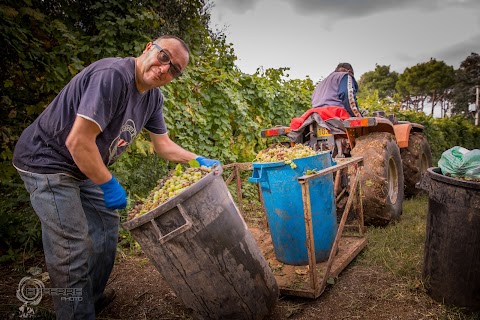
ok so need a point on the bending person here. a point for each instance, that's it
(63, 159)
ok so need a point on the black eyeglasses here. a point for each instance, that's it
(164, 58)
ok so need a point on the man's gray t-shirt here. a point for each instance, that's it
(105, 93)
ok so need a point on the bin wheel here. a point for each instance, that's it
(382, 177)
(416, 158)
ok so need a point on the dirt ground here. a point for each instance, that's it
(359, 293)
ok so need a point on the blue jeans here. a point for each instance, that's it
(79, 237)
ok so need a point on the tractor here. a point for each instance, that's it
(395, 153)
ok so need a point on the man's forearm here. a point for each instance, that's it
(169, 150)
(88, 159)
(175, 153)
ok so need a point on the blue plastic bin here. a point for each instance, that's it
(282, 196)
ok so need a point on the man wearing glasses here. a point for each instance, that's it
(63, 158)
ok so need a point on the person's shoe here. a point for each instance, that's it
(107, 297)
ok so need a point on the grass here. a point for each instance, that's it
(399, 248)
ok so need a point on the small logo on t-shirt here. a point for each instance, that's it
(119, 145)
(122, 143)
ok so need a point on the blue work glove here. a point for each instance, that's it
(202, 161)
(114, 195)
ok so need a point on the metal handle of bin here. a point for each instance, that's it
(176, 232)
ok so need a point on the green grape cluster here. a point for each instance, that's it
(170, 186)
(280, 152)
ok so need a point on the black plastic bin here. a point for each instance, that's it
(451, 270)
(201, 245)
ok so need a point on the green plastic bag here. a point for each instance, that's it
(460, 162)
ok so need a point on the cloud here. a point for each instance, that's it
(358, 8)
(457, 53)
(237, 6)
(453, 55)
(363, 32)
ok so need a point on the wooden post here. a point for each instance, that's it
(333, 251)
(236, 169)
(239, 188)
(477, 106)
(361, 227)
(336, 185)
(312, 263)
(260, 196)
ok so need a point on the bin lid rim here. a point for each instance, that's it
(174, 201)
(268, 164)
(436, 174)
(280, 163)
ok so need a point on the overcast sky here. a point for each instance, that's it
(312, 36)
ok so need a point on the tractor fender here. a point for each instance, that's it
(357, 127)
(383, 125)
(402, 133)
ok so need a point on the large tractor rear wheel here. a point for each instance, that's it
(416, 158)
(382, 177)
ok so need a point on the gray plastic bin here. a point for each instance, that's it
(201, 245)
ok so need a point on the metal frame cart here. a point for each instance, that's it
(311, 280)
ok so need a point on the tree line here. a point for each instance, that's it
(432, 83)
